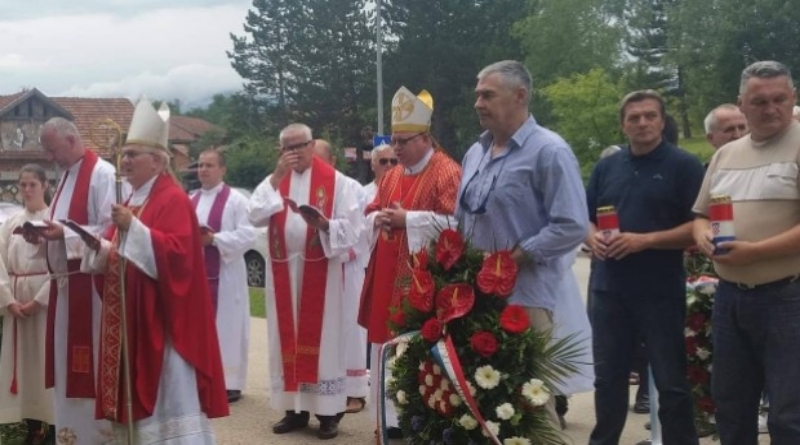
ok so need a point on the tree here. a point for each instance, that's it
(587, 110)
(310, 61)
(440, 46)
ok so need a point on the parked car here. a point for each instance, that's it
(256, 258)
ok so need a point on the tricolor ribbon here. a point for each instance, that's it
(444, 353)
(383, 354)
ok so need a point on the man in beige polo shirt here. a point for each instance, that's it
(756, 321)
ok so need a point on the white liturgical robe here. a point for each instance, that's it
(328, 395)
(235, 237)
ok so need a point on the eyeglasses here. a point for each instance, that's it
(481, 209)
(385, 161)
(402, 142)
(133, 154)
(297, 146)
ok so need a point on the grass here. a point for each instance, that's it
(258, 305)
(699, 146)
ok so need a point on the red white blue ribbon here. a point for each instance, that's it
(444, 353)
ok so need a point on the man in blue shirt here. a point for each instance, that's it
(639, 280)
(521, 189)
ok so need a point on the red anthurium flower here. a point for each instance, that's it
(498, 274)
(697, 322)
(420, 294)
(698, 374)
(514, 319)
(454, 301)
(419, 260)
(432, 330)
(706, 404)
(449, 248)
(398, 318)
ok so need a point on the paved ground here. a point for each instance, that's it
(251, 418)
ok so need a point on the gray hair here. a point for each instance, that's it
(295, 128)
(513, 74)
(610, 150)
(766, 69)
(62, 127)
(380, 149)
(796, 111)
(710, 122)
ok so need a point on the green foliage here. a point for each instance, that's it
(250, 159)
(586, 109)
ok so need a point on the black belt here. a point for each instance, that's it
(776, 283)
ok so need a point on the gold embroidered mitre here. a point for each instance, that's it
(410, 113)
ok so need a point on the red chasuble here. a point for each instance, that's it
(388, 274)
(80, 350)
(300, 345)
(175, 308)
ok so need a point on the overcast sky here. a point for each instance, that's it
(166, 49)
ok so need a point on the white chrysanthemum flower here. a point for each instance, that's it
(392, 363)
(438, 394)
(401, 397)
(468, 422)
(429, 380)
(455, 400)
(472, 390)
(445, 384)
(401, 349)
(437, 370)
(493, 427)
(487, 377)
(391, 381)
(688, 332)
(703, 353)
(422, 390)
(535, 392)
(517, 441)
(691, 299)
(505, 411)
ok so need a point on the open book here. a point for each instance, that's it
(304, 209)
(87, 237)
(29, 226)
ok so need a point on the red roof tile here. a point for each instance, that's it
(188, 129)
(5, 100)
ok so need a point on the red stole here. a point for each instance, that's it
(211, 253)
(80, 360)
(300, 347)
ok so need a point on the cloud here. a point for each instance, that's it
(193, 85)
(16, 10)
(178, 52)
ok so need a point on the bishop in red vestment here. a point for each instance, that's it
(175, 365)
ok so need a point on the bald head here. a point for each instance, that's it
(324, 151)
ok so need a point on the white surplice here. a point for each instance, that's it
(235, 237)
(570, 318)
(177, 416)
(26, 280)
(328, 395)
(355, 263)
(77, 416)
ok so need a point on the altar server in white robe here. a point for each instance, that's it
(84, 195)
(355, 263)
(312, 221)
(226, 235)
(24, 293)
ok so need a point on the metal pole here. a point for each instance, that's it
(380, 67)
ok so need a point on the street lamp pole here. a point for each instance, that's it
(380, 67)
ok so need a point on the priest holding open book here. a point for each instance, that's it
(176, 371)
(304, 287)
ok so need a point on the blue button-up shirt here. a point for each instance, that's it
(530, 195)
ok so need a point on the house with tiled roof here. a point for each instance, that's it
(23, 114)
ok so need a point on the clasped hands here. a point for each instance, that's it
(737, 253)
(393, 217)
(23, 311)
